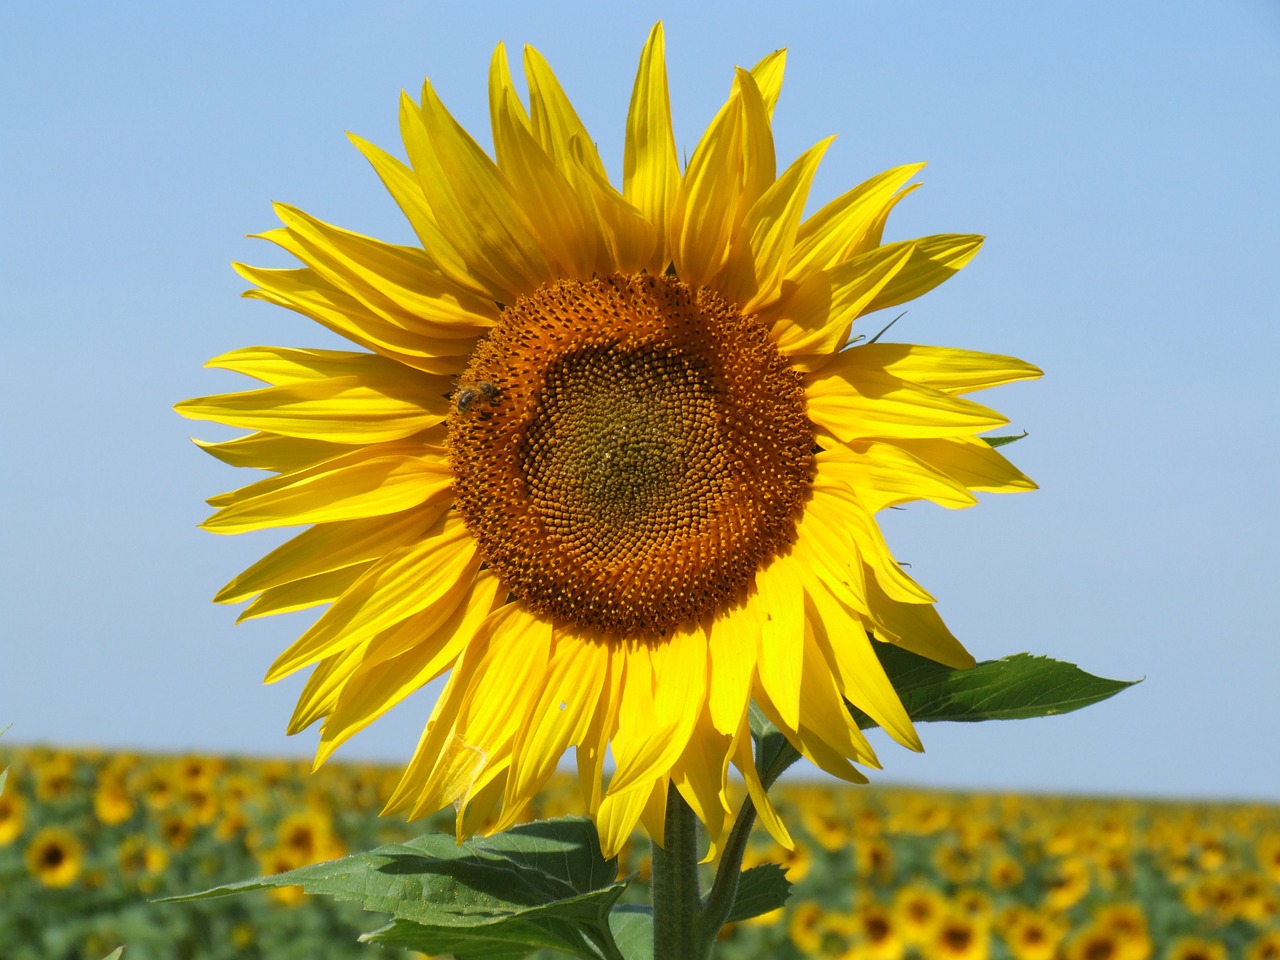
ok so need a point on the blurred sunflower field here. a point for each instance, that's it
(89, 839)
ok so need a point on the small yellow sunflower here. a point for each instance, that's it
(112, 803)
(959, 936)
(55, 857)
(603, 458)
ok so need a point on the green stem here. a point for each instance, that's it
(724, 889)
(674, 887)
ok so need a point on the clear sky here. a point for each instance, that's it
(1121, 158)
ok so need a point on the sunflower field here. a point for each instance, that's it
(89, 840)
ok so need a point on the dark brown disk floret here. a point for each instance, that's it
(629, 452)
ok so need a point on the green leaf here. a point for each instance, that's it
(1017, 687)
(1001, 441)
(1013, 688)
(761, 889)
(117, 952)
(632, 926)
(539, 885)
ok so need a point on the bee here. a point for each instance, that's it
(466, 397)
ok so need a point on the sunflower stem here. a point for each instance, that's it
(724, 889)
(677, 934)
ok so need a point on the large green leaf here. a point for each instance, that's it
(632, 926)
(1012, 688)
(539, 885)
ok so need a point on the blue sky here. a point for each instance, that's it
(1121, 159)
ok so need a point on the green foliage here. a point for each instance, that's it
(1013, 688)
(542, 884)
(1208, 869)
(761, 889)
(632, 926)
(1001, 441)
(1018, 687)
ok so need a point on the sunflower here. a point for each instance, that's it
(959, 936)
(603, 458)
(55, 857)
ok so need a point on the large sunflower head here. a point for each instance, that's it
(609, 459)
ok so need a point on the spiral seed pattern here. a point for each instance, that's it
(638, 451)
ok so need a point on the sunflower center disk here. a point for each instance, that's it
(628, 452)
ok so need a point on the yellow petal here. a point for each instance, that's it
(915, 627)
(591, 752)
(704, 215)
(327, 547)
(561, 715)
(812, 743)
(840, 506)
(942, 368)
(759, 162)
(825, 548)
(970, 461)
(563, 220)
(405, 582)
(341, 410)
(502, 85)
(650, 170)
(321, 690)
(654, 815)
(471, 200)
(854, 402)
(304, 291)
(842, 640)
(663, 690)
(500, 689)
(933, 260)
(438, 737)
(825, 712)
(770, 230)
(618, 815)
(268, 451)
(834, 233)
(402, 183)
(555, 123)
(812, 322)
(733, 639)
(302, 594)
(630, 240)
(883, 475)
(767, 75)
(377, 685)
(700, 776)
(765, 809)
(781, 604)
(282, 366)
(368, 482)
(399, 284)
